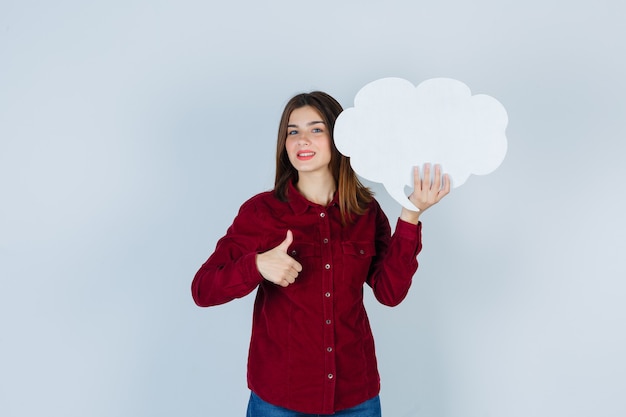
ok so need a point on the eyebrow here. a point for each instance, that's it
(308, 124)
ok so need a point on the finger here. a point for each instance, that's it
(437, 181)
(426, 182)
(417, 183)
(290, 276)
(284, 278)
(446, 187)
(446, 183)
(284, 245)
(291, 272)
(290, 264)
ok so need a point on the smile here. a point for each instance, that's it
(303, 156)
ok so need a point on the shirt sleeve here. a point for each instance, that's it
(231, 272)
(395, 262)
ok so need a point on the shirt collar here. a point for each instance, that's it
(299, 203)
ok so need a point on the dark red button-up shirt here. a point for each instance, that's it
(311, 348)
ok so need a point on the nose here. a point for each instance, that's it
(303, 138)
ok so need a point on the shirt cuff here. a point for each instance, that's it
(252, 274)
(408, 230)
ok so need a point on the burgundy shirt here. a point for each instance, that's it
(312, 348)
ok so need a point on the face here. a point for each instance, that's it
(308, 141)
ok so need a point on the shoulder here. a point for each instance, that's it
(260, 198)
(262, 203)
(374, 208)
(375, 211)
(252, 214)
(374, 204)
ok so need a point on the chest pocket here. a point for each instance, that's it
(308, 255)
(363, 249)
(357, 258)
(302, 250)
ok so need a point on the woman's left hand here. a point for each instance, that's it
(426, 192)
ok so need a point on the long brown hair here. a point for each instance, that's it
(354, 197)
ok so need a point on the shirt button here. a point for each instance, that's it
(327, 295)
(327, 266)
(329, 349)
(362, 252)
(328, 321)
(322, 214)
(325, 240)
(294, 253)
(330, 376)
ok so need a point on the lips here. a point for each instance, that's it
(305, 155)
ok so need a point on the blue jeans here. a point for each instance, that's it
(259, 408)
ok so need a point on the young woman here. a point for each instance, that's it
(308, 247)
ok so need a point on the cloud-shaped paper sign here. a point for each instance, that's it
(395, 126)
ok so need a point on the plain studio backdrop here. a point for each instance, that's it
(131, 132)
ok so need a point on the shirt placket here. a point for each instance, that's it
(329, 320)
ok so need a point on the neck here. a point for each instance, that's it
(317, 189)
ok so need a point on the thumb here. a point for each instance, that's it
(284, 245)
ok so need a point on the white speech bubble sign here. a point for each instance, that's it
(395, 126)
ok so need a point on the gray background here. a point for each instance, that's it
(131, 131)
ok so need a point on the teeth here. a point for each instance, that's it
(306, 153)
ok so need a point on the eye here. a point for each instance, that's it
(317, 130)
(292, 132)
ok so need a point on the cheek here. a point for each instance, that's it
(290, 150)
(288, 146)
(327, 146)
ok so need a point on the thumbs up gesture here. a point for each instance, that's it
(277, 266)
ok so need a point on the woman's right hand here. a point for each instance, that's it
(277, 266)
